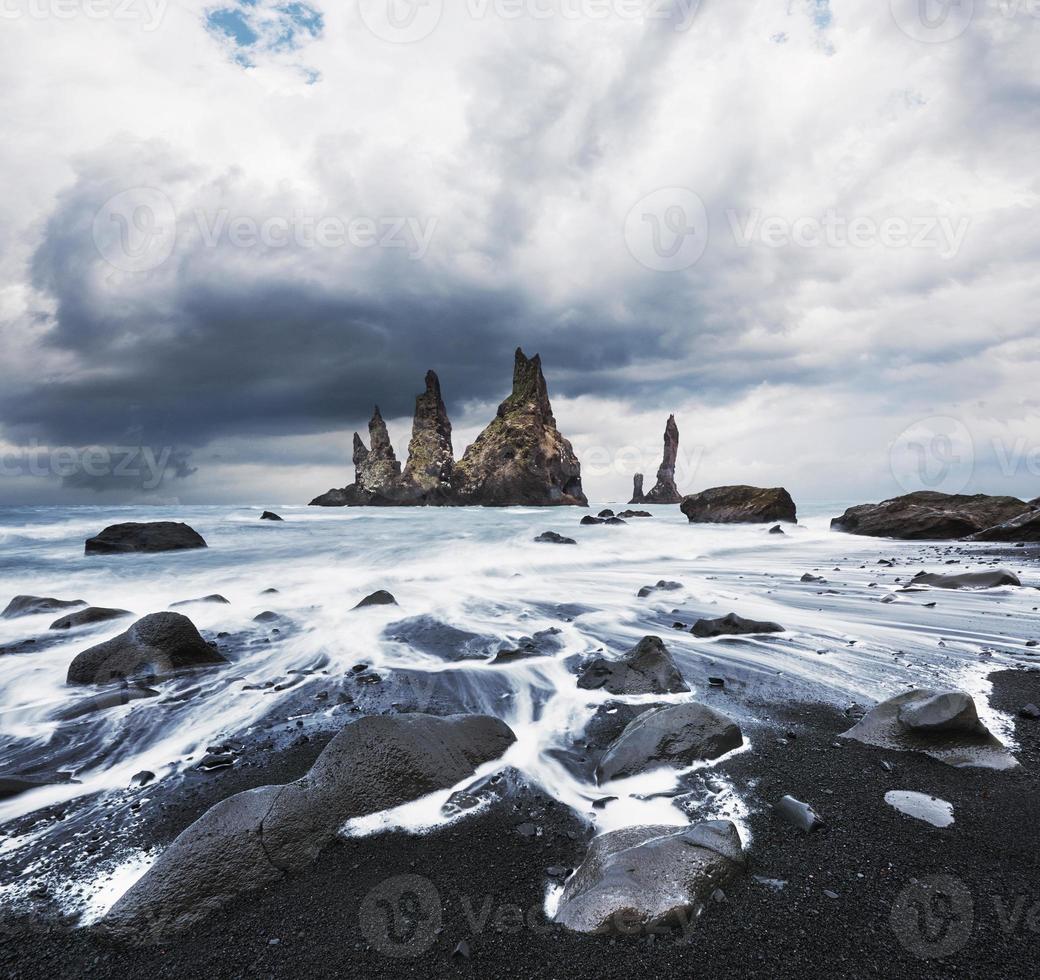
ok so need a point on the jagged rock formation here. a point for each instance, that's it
(665, 490)
(520, 458)
(431, 459)
(637, 490)
(927, 515)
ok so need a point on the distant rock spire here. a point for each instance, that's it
(431, 458)
(665, 490)
(637, 490)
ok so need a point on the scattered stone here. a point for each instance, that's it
(674, 735)
(968, 580)
(121, 539)
(89, 617)
(32, 605)
(645, 669)
(552, 537)
(1030, 711)
(662, 586)
(142, 778)
(213, 600)
(380, 598)
(270, 516)
(155, 646)
(930, 809)
(732, 625)
(798, 814)
(648, 878)
(819, 579)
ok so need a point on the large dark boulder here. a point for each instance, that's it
(968, 580)
(941, 723)
(122, 539)
(255, 838)
(155, 646)
(674, 735)
(929, 516)
(732, 625)
(32, 605)
(521, 458)
(740, 505)
(645, 879)
(89, 617)
(645, 669)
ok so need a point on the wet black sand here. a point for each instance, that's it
(483, 881)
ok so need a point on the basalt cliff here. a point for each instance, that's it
(520, 458)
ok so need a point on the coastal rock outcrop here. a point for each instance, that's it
(941, 723)
(155, 646)
(675, 735)
(122, 539)
(740, 505)
(928, 515)
(638, 496)
(254, 839)
(664, 490)
(645, 879)
(645, 669)
(521, 458)
(1025, 527)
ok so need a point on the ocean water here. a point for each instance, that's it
(467, 582)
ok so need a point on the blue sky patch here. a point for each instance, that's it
(256, 27)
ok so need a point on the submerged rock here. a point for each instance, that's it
(32, 605)
(121, 539)
(629, 514)
(88, 617)
(380, 598)
(674, 735)
(552, 537)
(212, 600)
(648, 878)
(733, 625)
(942, 724)
(740, 505)
(270, 516)
(645, 669)
(928, 516)
(255, 838)
(664, 490)
(968, 580)
(521, 458)
(662, 586)
(155, 646)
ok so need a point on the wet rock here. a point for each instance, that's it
(614, 521)
(968, 580)
(605, 514)
(1030, 711)
(32, 605)
(637, 490)
(809, 577)
(629, 514)
(551, 537)
(777, 529)
(254, 839)
(142, 778)
(589, 521)
(674, 735)
(270, 516)
(543, 643)
(921, 806)
(943, 724)
(740, 505)
(155, 646)
(521, 458)
(649, 878)
(645, 669)
(662, 586)
(120, 539)
(1025, 527)
(380, 598)
(798, 814)
(115, 696)
(733, 625)
(267, 616)
(665, 490)
(432, 636)
(89, 617)
(11, 786)
(928, 516)
(213, 600)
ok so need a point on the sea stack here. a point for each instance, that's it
(521, 458)
(431, 459)
(665, 490)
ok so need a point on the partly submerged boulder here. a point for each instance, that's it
(968, 580)
(32, 605)
(380, 598)
(268, 515)
(257, 837)
(929, 516)
(521, 458)
(644, 879)
(89, 617)
(675, 735)
(553, 537)
(733, 625)
(155, 646)
(740, 505)
(121, 539)
(645, 669)
(941, 723)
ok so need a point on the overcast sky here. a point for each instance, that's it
(807, 228)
